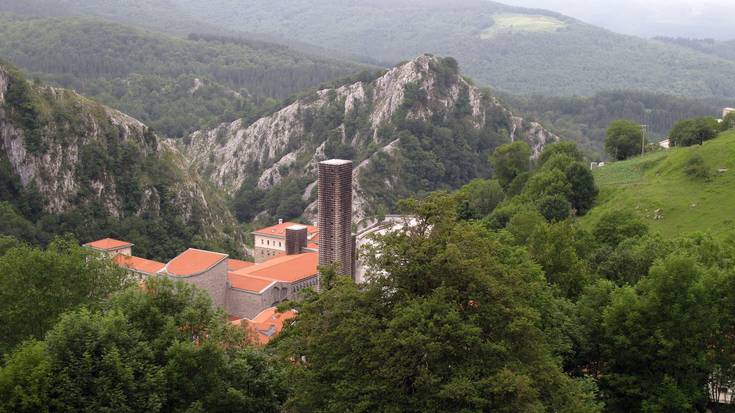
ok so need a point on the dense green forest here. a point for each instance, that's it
(516, 50)
(173, 85)
(585, 119)
(160, 15)
(724, 49)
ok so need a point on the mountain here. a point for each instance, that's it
(648, 18)
(723, 49)
(658, 189)
(517, 50)
(173, 85)
(416, 128)
(69, 164)
(151, 14)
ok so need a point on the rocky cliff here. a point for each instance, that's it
(70, 154)
(417, 127)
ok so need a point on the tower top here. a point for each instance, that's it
(336, 162)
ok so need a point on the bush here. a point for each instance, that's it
(616, 226)
(696, 168)
(554, 208)
(728, 122)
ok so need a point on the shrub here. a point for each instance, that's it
(554, 208)
(696, 168)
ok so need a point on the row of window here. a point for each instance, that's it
(268, 242)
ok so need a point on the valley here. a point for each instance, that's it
(281, 206)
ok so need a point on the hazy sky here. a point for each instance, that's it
(685, 18)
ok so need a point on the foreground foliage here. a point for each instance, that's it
(37, 286)
(457, 323)
(161, 349)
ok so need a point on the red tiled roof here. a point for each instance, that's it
(234, 265)
(193, 262)
(248, 282)
(287, 268)
(266, 325)
(280, 230)
(108, 244)
(138, 264)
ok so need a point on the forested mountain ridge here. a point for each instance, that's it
(174, 85)
(517, 50)
(724, 49)
(585, 119)
(151, 14)
(416, 128)
(69, 164)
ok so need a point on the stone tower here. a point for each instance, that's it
(335, 215)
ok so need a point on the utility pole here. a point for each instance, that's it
(644, 138)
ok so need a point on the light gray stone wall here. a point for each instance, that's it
(246, 304)
(213, 281)
(264, 254)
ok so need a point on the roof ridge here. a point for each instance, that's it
(165, 269)
(208, 251)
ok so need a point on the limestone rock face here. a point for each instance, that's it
(360, 115)
(72, 135)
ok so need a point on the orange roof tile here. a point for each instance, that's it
(108, 244)
(248, 282)
(193, 262)
(138, 264)
(234, 265)
(287, 268)
(280, 230)
(266, 325)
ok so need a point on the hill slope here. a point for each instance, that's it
(416, 128)
(657, 182)
(69, 164)
(585, 119)
(151, 14)
(514, 49)
(173, 85)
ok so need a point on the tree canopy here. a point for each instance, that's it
(690, 132)
(38, 285)
(163, 348)
(456, 321)
(623, 139)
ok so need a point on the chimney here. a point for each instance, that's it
(296, 239)
(280, 221)
(335, 215)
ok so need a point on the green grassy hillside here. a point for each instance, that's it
(657, 182)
